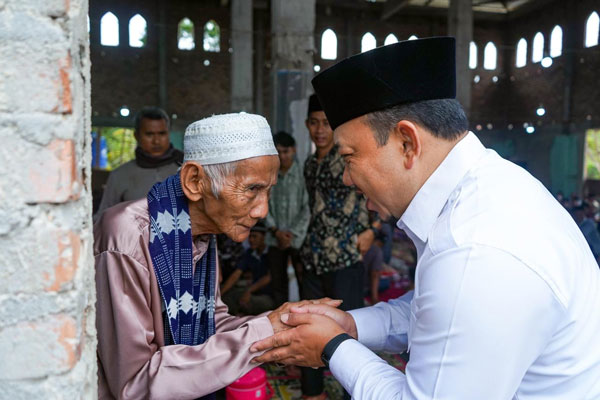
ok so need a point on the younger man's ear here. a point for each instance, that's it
(192, 180)
(409, 142)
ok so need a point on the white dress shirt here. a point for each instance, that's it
(507, 295)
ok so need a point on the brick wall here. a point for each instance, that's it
(47, 296)
(124, 75)
(129, 76)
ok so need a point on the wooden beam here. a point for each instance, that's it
(391, 7)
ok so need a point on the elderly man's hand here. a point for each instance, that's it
(301, 345)
(275, 315)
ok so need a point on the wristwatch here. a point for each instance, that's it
(332, 346)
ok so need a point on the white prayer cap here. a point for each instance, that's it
(228, 137)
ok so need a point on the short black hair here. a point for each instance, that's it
(284, 139)
(259, 227)
(151, 113)
(444, 118)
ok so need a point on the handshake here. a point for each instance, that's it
(301, 331)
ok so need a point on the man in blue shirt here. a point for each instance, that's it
(256, 297)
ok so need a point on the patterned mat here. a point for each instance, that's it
(287, 387)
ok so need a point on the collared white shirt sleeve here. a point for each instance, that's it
(473, 303)
(384, 326)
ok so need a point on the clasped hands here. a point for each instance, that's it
(302, 330)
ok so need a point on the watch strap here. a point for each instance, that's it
(332, 346)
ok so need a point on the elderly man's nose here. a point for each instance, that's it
(261, 209)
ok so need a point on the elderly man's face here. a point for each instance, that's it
(244, 198)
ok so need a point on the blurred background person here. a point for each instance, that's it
(288, 218)
(252, 295)
(155, 160)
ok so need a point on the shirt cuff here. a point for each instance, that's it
(347, 362)
(368, 327)
(261, 327)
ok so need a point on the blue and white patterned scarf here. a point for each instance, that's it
(188, 295)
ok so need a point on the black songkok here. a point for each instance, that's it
(404, 72)
(314, 104)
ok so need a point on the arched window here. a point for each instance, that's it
(591, 30)
(212, 37)
(490, 56)
(537, 52)
(390, 39)
(472, 55)
(413, 37)
(556, 41)
(328, 45)
(185, 35)
(368, 42)
(137, 31)
(521, 53)
(109, 30)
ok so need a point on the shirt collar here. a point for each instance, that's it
(290, 172)
(258, 254)
(331, 155)
(426, 206)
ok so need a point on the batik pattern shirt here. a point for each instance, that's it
(338, 215)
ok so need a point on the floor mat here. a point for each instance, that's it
(286, 387)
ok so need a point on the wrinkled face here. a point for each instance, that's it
(153, 136)
(286, 156)
(244, 198)
(377, 172)
(319, 129)
(256, 240)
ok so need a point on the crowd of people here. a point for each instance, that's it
(586, 213)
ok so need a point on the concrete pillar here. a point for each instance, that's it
(47, 296)
(460, 25)
(241, 58)
(259, 64)
(162, 56)
(293, 26)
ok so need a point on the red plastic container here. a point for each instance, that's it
(252, 386)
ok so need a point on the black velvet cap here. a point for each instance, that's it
(314, 104)
(404, 72)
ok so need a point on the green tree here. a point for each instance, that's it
(592, 154)
(185, 35)
(212, 36)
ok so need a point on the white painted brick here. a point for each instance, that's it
(51, 8)
(52, 343)
(47, 296)
(39, 128)
(35, 59)
(38, 174)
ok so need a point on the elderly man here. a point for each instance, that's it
(507, 291)
(163, 331)
(155, 160)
